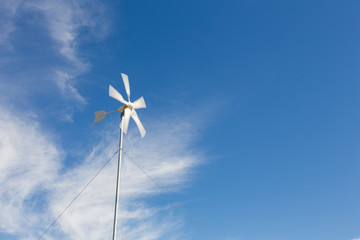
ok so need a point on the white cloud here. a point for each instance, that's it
(65, 20)
(65, 83)
(35, 188)
(8, 10)
(28, 162)
(61, 26)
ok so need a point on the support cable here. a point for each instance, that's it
(152, 179)
(170, 197)
(76, 197)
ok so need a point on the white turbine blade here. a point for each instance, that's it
(138, 123)
(99, 115)
(116, 95)
(140, 103)
(127, 113)
(127, 85)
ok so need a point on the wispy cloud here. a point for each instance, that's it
(8, 10)
(35, 187)
(65, 83)
(29, 160)
(63, 26)
(65, 20)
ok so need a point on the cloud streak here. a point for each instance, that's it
(61, 26)
(8, 10)
(35, 187)
(29, 160)
(65, 20)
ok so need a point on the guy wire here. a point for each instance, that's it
(82, 190)
(153, 180)
(170, 197)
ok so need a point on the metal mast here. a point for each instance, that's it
(118, 176)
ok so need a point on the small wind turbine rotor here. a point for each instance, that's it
(128, 109)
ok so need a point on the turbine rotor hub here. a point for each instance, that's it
(130, 105)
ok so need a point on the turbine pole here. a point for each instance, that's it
(118, 175)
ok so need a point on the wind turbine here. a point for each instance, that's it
(127, 111)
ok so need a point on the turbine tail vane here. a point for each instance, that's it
(99, 115)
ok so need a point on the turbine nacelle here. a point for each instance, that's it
(128, 109)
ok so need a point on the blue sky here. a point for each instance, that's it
(252, 118)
